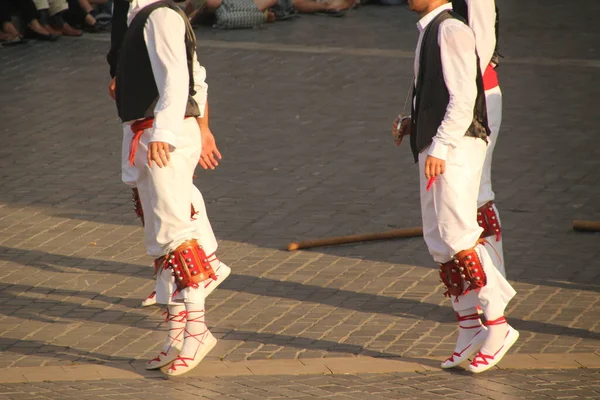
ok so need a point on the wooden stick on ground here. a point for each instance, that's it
(332, 241)
(586, 226)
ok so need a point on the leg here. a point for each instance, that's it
(494, 297)
(486, 194)
(264, 5)
(35, 30)
(207, 240)
(197, 343)
(166, 193)
(59, 8)
(176, 321)
(449, 227)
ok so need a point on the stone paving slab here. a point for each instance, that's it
(308, 366)
(307, 154)
(531, 384)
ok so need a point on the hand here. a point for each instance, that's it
(159, 153)
(210, 153)
(398, 132)
(434, 167)
(112, 86)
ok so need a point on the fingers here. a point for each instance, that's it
(434, 167)
(214, 162)
(395, 126)
(208, 161)
(203, 163)
(164, 154)
(399, 139)
(217, 153)
(111, 88)
(158, 152)
(209, 157)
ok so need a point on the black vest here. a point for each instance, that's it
(431, 97)
(136, 91)
(462, 8)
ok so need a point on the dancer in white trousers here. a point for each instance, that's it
(448, 133)
(161, 98)
(482, 17)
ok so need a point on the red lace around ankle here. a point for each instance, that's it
(182, 361)
(470, 317)
(498, 321)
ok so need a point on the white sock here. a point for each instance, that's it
(468, 322)
(176, 321)
(195, 330)
(497, 330)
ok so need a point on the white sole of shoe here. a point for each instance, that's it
(171, 355)
(207, 346)
(150, 300)
(472, 348)
(511, 339)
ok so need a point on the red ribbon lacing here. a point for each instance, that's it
(470, 317)
(183, 360)
(481, 358)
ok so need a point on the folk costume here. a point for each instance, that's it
(160, 91)
(449, 122)
(482, 17)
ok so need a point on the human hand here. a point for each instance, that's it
(210, 153)
(159, 153)
(112, 86)
(434, 167)
(401, 127)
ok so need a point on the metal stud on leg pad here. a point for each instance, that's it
(190, 265)
(468, 276)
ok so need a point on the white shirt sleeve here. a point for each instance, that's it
(459, 66)
(200, 85)
(164, 34)
(482, 19)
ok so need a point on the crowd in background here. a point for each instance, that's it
(48, 20)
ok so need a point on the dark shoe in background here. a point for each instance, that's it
(31, 34)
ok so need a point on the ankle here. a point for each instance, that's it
(468, 319)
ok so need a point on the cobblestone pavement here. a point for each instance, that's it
(301, 112)
(572, 384)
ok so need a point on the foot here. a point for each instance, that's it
(182, 365)
(52, 31)
(68, 30)
(482, 361)
(31, 34)
(150, 300)
(222, 272)
(176, 322)
(471, 336)
(163, 358)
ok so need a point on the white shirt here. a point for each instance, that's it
(459, 66)
(163, 34)
(482, 20)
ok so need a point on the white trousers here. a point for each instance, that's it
(449, 212)
(167, 195)
(493, 98)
